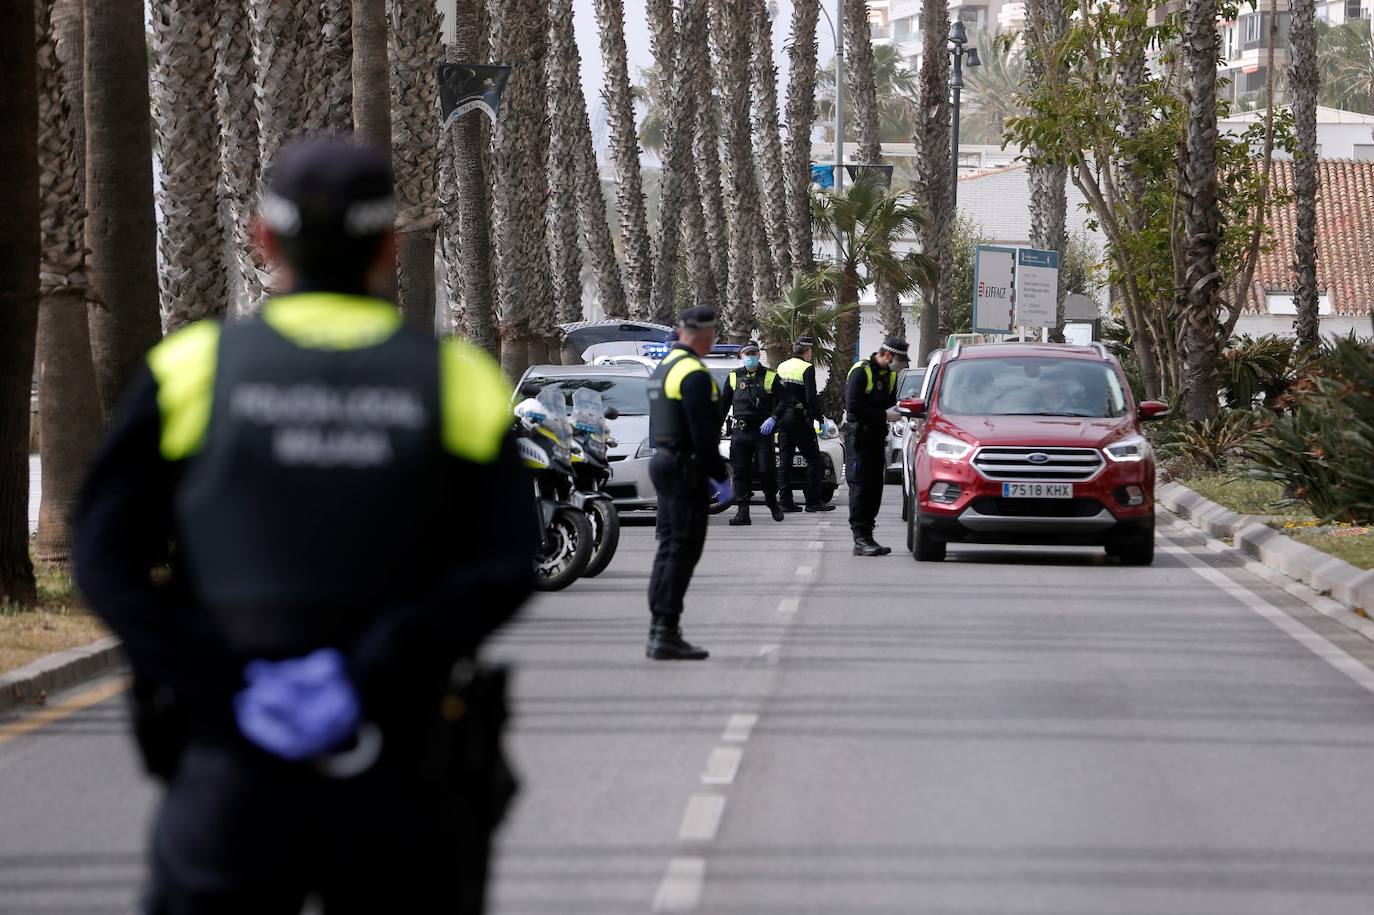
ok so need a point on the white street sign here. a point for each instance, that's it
(994, 272)
(1037, 288)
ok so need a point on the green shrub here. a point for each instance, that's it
(1255, 370)
(1322, 447)
(1186, 448)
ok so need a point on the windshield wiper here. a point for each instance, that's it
(1063, 413)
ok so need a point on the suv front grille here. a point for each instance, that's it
(1060, 465)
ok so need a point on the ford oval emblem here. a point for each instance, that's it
(1038, 457)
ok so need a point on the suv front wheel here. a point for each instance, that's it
(1137, 549)
(921, 541)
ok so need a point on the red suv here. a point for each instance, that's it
(1029, 444)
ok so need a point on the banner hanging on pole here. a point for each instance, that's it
(471, 87)
(881, 173)
(823, 176)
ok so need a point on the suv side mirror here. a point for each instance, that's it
(612, 413)
(530, 389)
(1152, 409)
(915, 406)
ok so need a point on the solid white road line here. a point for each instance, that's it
(701, 819)
(789, 605)
(815, 545)
(722, 766)
(1295, 630)
(740, 727)
(805, 571)
(680, 890)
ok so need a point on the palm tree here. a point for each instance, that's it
(1345, 57)
(413, 47)
(767, 128)
(933, 176)
(120, 230)
(1047, 24)
(863, 222)
(68, 409)
(803, 312)
(1305, 80)
(731, 28)
(371, 73)
(1202, 218)
(336, 59)
(992, 91)
(620, 109)
(801, 115)
(190, 240)
(706, 154)
(19, 262)
(669, 42)
(567, 116)
(236, 113)
(896, 90)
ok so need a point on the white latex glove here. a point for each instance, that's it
(893, 415)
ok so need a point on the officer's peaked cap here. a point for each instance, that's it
(699, 317)
(749, 349)
(896, 345)
(332, 187)
(803, 344)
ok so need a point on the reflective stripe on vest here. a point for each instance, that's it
(868, 370)
(769, 378)
(474, 395)
(681, 368)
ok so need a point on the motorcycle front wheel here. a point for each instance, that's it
(566, 553)
(605, 521)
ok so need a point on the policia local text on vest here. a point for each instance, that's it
(338, 500)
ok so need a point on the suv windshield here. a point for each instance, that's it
(629, 394)
(1031, 386)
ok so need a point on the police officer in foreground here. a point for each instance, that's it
(870, 393)
(799, 411)
(751, 393)
(297, 526)
(684, 422)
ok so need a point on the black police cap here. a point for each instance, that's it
(897, 346)
(749, 349)
(329, 186)
(699, 317)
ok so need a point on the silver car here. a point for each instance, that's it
(626, 388)
(908, 386)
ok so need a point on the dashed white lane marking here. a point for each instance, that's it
(815, 545)
(1295, 630)
(722, 766)
(788, 605)
(739, 727)
(805, 571)
(680, 890)
(824, 523)
(701, 819)
(769, 652)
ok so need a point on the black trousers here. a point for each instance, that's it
(796, 435)
(683, 503)
(751, 450)
(239, 831)
(867, 459)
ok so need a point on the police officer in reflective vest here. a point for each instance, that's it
(799, 410)
(750, 393)
(684, 422)
(297, 525)
(870, 394)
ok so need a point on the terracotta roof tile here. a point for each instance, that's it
(1345, 237)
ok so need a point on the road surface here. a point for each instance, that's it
(1012, 732)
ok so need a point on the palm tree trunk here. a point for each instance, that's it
(413, 50)
(1048, 180)
(634, 221)
(801, 106)
(706, 154)
(371, 74)
(68, 408)
(568, 115)
(336, 17)
(932, 181)
(846, 343)
(120, 230)
(772, 173)
(236, 107)
(1304, 80)
(192, 272)
(730, 37)
(20, 257)
(1201, 214)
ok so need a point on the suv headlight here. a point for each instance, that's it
(939, 445)
(1130, 449)
(646, 449)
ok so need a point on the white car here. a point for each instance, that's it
(908, 386)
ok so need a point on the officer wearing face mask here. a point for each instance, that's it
(870, 399)
(751, 393)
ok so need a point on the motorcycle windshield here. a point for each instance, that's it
(589, 412)
(555, 413)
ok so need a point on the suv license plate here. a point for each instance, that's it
(1037, 490)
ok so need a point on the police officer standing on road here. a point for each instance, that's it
(869, 396)
(333, 499)
(751, 392)
(800, 409)
(684, 422)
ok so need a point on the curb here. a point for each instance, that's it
(32, 683)
(1326, 574)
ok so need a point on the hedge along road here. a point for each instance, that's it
(1012, 731)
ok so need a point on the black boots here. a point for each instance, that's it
(819, 507)
(865, 545)
(789, 506)
(741, 516)
(667, 644)
(776, 510)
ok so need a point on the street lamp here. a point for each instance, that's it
(837, 31)
(958, 37)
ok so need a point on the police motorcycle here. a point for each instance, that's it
(544, 440)
(592, 471)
